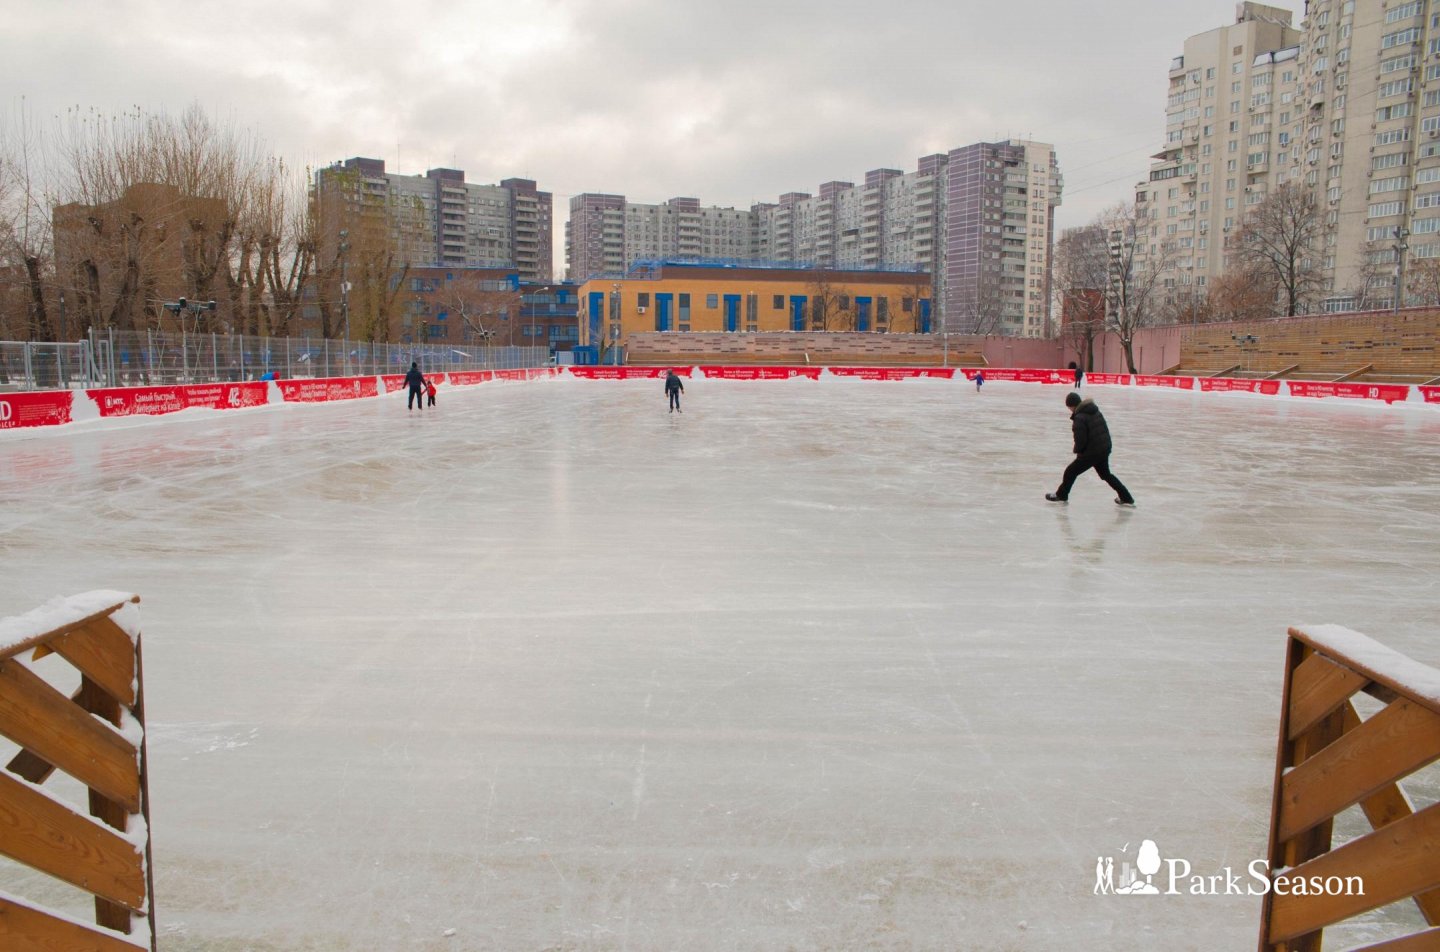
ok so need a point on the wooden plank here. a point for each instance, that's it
(1427, 941)
(1315, 840)
(23, 929)
(1378, 659)
(1395, 862)
(104, 654)
(39, 832)
(1319, 686)
(46, 723)
(1394, 743)
(1296, 652)
(19, 647)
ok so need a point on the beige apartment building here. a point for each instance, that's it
(1347, 104)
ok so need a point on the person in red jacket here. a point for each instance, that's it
(430, 392)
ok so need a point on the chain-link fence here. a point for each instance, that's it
(136, 359)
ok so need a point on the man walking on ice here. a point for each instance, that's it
(673, 388)
(1092, 450)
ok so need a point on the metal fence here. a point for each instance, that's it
(152, 358)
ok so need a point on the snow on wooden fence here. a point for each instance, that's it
(1329, 760)
(71, 700)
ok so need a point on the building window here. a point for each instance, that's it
(712, 301)
(779, 302)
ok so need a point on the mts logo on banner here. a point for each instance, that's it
(5, 411)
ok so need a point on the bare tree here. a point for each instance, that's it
(1239, 294)
(487, 307)
(1082, 273)
(26, 247)
(1422, 282)
(1138, 263)
(984, 313)
(379, 233)
(149, 212)
(1281, 240)
(830, 303)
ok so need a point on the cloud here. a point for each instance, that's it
(727, 102)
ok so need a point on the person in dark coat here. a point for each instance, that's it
(673, 388)
(1092, 450)
(415, 380)
(1079, 374)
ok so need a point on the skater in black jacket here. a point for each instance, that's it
(1092, 451)
(673, 387)
(415, 380)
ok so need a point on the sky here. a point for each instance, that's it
(728, 101)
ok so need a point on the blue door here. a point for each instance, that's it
(732, 313)
(862, 313)
(924, 305)
(664, 303)
(797, 312)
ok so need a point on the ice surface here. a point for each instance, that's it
(811, 666)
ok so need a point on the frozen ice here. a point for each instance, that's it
(812, 665)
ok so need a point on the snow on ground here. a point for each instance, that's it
(810, 665)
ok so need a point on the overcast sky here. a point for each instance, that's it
(729, 101)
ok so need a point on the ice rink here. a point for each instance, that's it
(811, 666)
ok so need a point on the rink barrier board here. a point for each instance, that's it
(54, 407)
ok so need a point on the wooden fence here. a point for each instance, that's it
(97, 637)
(1329, 760)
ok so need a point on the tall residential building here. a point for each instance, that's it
(996, 270)
(1229, 121)
(1347, 106)
(979, 219)
(606, 234)
(438, 219)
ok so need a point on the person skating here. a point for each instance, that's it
(430, 393)
(979, 380)
(415, 380)
(1092, 450)
(1078, 373)
(673, 388)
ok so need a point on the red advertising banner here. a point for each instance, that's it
(1429, 394)
(893, 373)
(46, 408)
(1022, 374)
(1175, 383)
(760, 373)
(326, 389)
(1268, 387)
(624, 373)
(392, 382)
(1389, 392)
(469, 378)
(147, 401)
(1113, 379)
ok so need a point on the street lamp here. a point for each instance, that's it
(1400, 248)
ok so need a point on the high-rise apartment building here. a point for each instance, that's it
(1347, 106)
(1229, 119)
(979, 219)
(605, 234)
(438, 219)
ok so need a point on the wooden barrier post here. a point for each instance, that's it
(1329, 760)
(96, 736)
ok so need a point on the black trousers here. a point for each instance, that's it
(1101, 465)
(414, 399)
(674, 399)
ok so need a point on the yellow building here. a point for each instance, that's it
(686, 298)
